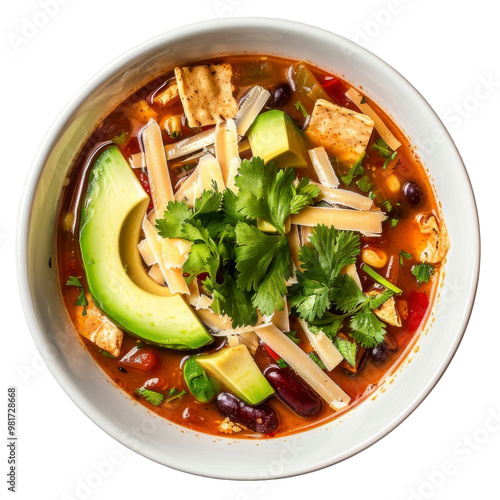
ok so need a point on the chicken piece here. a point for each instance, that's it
(387, 312)
(437, 239)
(206, 93)
(342, 132)
(96, 327)
(168, 96)
(142, 111)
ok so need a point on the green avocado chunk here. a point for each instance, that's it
(113, 209)
(274, 137)
(235, 368)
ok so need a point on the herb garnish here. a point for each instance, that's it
(317, 360)
(174, 394)
(299, 107)
(404, 255)
(247, 268)
(423, 272)
(354, 171)
(81, 300)
(153, 397)
(385, 151)
(322, 287)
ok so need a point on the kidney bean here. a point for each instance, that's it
(260, 418)
(157, 383)
(140, 359)
(281, 95)
(293, 393)
(413, 193)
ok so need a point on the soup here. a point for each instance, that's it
(249, 246)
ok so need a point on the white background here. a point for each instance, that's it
(450, 54)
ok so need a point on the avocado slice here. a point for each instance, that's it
(112, 213)
(235, 368)
(274, 137)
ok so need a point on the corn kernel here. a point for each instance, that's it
(68, 221)
(374, 258)
(393, 185)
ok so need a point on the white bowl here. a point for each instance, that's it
(131, 423)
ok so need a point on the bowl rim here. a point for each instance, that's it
(50, 140)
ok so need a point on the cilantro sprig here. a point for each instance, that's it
(321, 289)
(246, 268)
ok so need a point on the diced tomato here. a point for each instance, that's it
(273, 354)
(418, 303)
(335, 88)
(159, 383)
(202, 276)
(144, 180)
(141, 359)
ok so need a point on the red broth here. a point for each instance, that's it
(165, 364)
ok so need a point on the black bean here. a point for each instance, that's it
(379, 354)
(413, 193)
(261, 418)
(281, 95)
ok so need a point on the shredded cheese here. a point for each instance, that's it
(323, 167)
(323, 346)
(304, 366)
(381, 127)
(368, 223)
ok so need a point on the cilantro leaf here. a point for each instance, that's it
(364, 184)
(355, 171)
(404, 255)
(423, 272)
(292, 336)
(173, 219)
(334, 250)
(282, 363)
(330, 251)
(73, 281)
(81, 300)
(229, 299)
(153, 397)
(264, 192)
(303, 195)
(309, 298)
(386, 162)
(366, 328)
(383, 148)
(264, 264)
(230, 212)
(329, 324)
(201, 259)
(394, 222)
(388, 205)
(347, 296)
(208, 202)
(347, 349)
(317, 360)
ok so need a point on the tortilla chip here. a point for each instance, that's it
(341, 131)
(206, 93)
